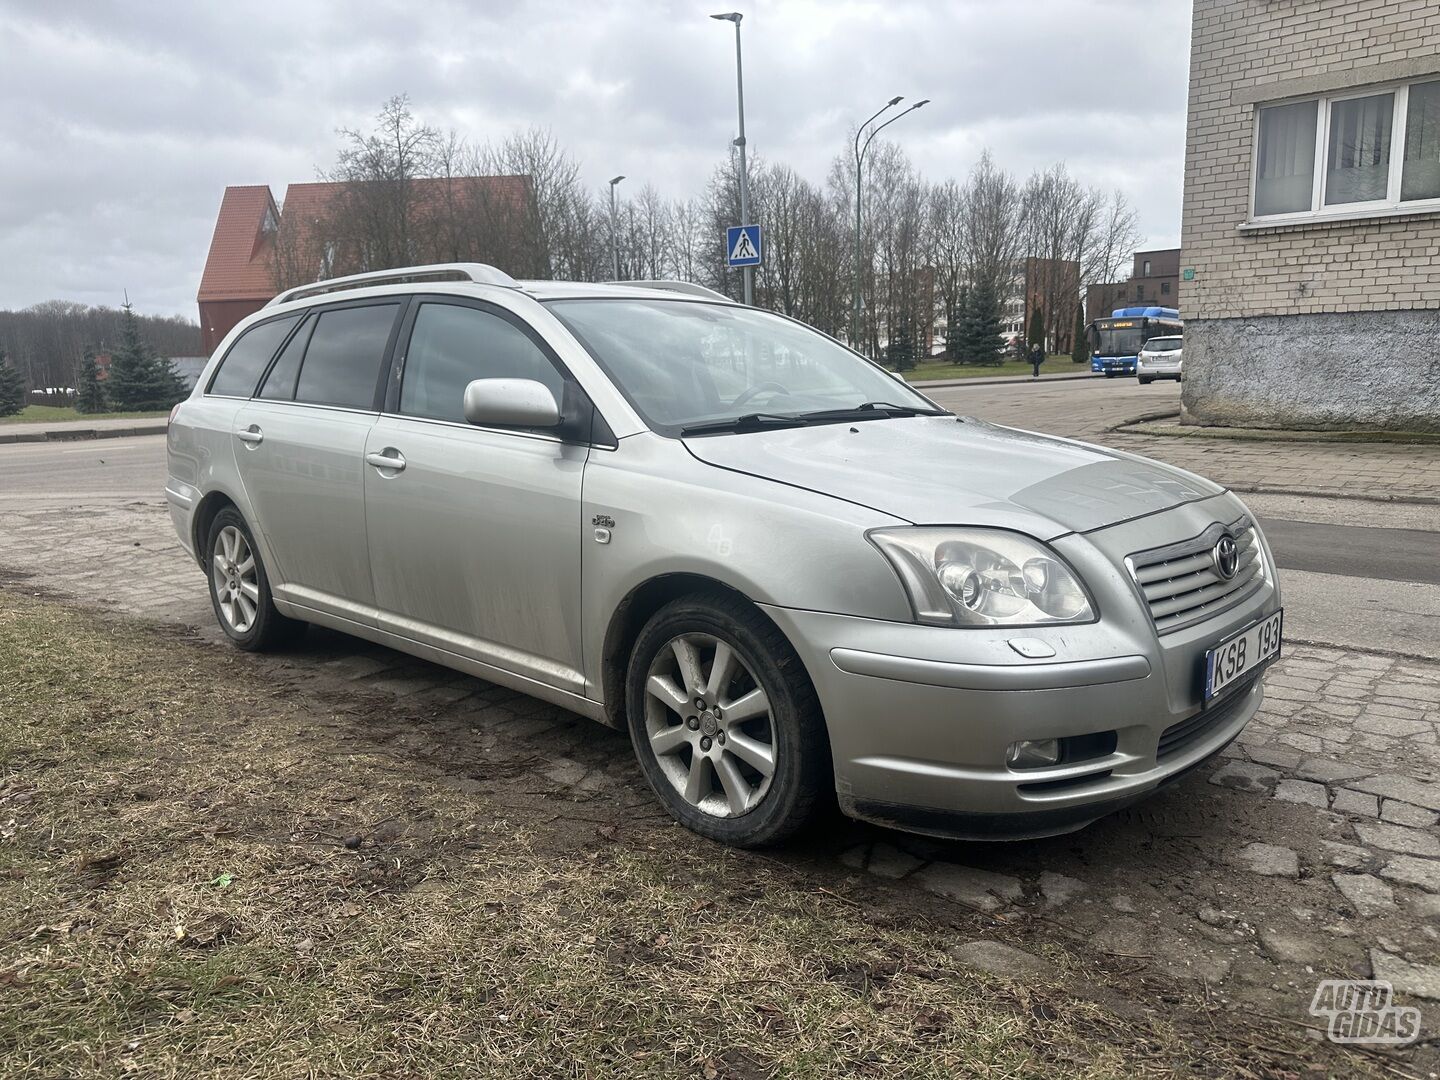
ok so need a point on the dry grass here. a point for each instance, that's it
(206, 874)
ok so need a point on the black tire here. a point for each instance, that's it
(267, 630)
(1144, 381)
(802, 783)
(1109, 373)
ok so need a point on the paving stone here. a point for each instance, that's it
(1426, 905)
(1392, 726)
(854, 857)
(1273, 755)
(1329, 772)
(1124, 937)
(1292, 947)
(1405, 814)
(891, 863)
(1367, 894)
(1058, 889)
(1302, 791)
(1418, 980)
(977, 888)
(1404, 788)
(1245, 776)
(1124, 904)
(997, 958)
(1398, 838)
(1349, 801)
(1270, 860)
(1409, 870)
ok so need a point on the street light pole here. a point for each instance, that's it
(735, 17)
(614, 229)
(860, 152)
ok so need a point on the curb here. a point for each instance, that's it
(74, 434)
(1000, 380)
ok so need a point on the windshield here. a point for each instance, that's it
(685, 363)
(1163, 344)
(1122, 342)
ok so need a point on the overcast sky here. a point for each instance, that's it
(123, 122)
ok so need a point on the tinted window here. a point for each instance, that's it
(452, 345)
(280, 383)
(241, 368)
(342, 361)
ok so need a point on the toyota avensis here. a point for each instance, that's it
(783, 570)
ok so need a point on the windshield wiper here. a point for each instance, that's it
(872, 410)
(749, 421)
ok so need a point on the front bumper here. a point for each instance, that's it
(920, 717)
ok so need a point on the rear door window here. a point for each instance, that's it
(343, 358)
(246, 360)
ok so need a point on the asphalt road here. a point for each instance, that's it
(1355, 573)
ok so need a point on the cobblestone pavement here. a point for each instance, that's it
(1089, 410)
(1311, 849)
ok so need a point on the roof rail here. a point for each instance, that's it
(480, 273)
(687, 287)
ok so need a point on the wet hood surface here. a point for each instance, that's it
(945, 471)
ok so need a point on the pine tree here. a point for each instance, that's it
(90, 395)
(139, 380)
(902, 348)
(12, 388)
(957, 328)
(1036, 334)
(1080, 351)
(983, 335)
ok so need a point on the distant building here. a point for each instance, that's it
(242, 270)
(1053, 285)
(1310, 288)
(1154, 282)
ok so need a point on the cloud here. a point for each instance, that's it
(125, 121)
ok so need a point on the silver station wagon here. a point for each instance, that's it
(792, 578)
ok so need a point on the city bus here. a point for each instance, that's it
(1116, 341)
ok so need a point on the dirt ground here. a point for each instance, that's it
(218, 865)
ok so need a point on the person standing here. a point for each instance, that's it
(1037, 357)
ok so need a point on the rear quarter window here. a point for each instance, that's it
(247, 359)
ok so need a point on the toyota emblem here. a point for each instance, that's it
(1226, 556)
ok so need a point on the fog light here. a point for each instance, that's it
(1033, 753)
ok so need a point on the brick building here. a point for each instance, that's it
(241, 272)
(1310, 285)
(1154, 282)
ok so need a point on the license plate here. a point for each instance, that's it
(1246, 652)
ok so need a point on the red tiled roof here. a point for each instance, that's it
(238, 266)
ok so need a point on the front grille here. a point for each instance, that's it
(1182, 586)
(1177, 737)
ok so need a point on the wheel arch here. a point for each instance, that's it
(635, 610)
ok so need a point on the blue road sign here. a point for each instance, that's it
(742, 245)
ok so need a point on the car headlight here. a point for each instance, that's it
(982, 577)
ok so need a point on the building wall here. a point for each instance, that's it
(1317, 280)
(218, 318)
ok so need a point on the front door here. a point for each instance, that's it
(475, 532)
(301, 457)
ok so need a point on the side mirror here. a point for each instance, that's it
(510, 403)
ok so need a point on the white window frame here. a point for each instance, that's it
(1319, 211)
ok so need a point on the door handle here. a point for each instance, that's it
(252, 435)
(389, 458)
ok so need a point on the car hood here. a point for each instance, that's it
(959, 471)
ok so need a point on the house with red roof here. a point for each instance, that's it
(258, 247)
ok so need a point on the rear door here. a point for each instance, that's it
(301, 449)
(475, 532)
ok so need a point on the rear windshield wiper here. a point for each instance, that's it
(750, 421)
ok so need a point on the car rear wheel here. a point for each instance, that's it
(1146, 380)
(240, 588)
(725, 722)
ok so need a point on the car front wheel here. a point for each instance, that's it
(725, 722)
(240, 588)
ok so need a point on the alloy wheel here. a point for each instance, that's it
(709, 725)
(235, 579)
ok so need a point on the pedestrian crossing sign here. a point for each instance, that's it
(742, 245)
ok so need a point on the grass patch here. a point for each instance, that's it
(212, 867)
(1055, 364)
(33, 413)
